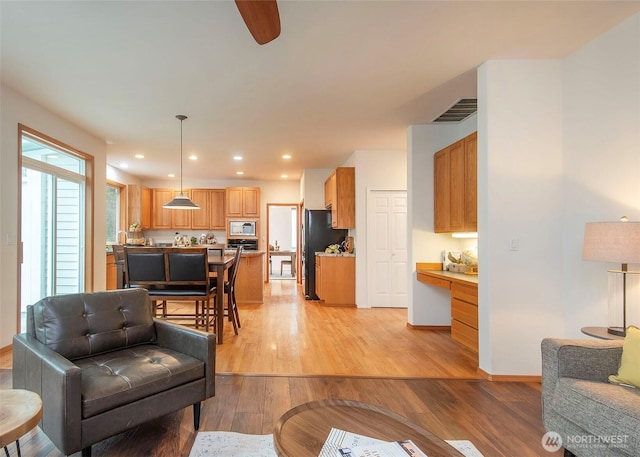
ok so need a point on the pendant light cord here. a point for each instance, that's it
(182, 117)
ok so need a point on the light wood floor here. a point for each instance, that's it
(298, 351)
(288, 335)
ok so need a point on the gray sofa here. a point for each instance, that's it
(102, 364)
(593, 417)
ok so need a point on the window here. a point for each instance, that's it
(115, 215)
(55, 218)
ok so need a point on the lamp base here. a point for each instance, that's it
(619, 331)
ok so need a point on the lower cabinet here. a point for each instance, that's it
(464, 315)
(250, 280)
(112, 272)
(336, 280)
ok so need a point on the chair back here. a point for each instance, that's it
(144, 266)
(235, 268)
(188, 267)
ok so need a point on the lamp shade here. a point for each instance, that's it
(612, 242)
(180, 201)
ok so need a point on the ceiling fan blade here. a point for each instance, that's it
(262, 18)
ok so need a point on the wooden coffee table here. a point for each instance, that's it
(302, 431)
(20, 411)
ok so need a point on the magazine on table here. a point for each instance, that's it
(341, 443)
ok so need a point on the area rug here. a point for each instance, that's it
(231, 444)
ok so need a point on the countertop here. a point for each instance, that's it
(462, 278)
(342, 254)
(244, 253)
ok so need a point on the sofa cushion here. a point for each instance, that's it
(629, 371)
(80, 325)
(604, 410)
(124, 376)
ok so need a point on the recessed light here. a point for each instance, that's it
(286, 156)
(139, 156)
(237, 157)
(171, 175)
(239, 172)
(124, 165)
(193, 157)
(284, 176)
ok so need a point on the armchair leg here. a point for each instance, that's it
(86, 452)
(196, 417)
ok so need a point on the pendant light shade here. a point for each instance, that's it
(181, 201)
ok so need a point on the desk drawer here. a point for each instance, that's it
(464, 334)
(464, 312)
(465, 292)
(428, 279)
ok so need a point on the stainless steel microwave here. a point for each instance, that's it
(242, 228)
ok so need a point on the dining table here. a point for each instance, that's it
(290, 254)
(218, 264)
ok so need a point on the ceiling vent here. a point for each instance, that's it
(460, 110)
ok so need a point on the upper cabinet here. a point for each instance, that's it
(455, 187)
(340, 197)
(243, 201)
(210, 216)
(139, 205)
(163, 218)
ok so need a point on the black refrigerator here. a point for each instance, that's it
(317, 235)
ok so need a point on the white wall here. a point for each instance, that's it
(428, 305)
(557, 147)
(519, 197)
(380, 170)
(15, 109)
(312, 185)
(602, 160)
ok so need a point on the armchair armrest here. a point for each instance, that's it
(592, 360)
(58, 381)
(198, 344)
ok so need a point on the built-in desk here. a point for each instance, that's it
(464, 301)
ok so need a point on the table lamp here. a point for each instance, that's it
(614, 242)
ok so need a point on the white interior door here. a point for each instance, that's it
(387, 248)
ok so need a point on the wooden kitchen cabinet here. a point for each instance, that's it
(250, 279)
(243, 201)
(139, 205)
(216, 209)
(464, 315)
(169, 218)
(336, 280)
(340, 193)
(330, 190)
(112, 272)
(200, 217)
(455, 187)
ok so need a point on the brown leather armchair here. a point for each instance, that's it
(102, 364)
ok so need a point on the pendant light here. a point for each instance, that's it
(181, 201)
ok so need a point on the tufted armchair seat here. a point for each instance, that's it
(102, 364)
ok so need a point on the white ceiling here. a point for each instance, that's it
(342, 76)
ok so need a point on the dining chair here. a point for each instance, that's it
(286, 262)
(183, 276)
(231, 309)
(230, 290)
(144, 268)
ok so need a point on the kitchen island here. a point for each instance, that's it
(250, 280)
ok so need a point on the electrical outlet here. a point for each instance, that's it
(514, 244)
